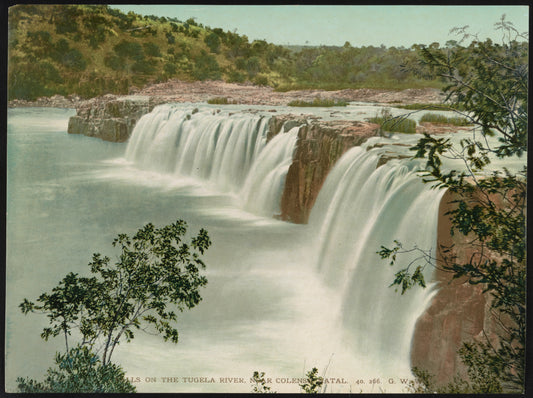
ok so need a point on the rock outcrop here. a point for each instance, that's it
(458, 313)
(284, 122)
(109, 118)
(320, 144)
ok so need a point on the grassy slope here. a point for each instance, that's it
(50, 51)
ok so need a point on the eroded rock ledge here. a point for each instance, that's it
(109, 117)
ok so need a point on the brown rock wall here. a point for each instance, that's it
(458, 313)
(320, 144)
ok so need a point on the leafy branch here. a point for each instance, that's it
(156, 274)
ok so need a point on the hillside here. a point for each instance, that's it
(91, 50)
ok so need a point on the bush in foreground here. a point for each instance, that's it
(79, 371)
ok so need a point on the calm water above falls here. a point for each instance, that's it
(281, 298)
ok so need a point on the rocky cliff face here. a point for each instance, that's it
(320, 144)
(458, 313)
(110, 118)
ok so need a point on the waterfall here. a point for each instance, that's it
(359, 208)
(228, 151)
(265, 182)
(362, 205)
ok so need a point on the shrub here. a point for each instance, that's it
(128, 49)
(236, 77)
(170, 37)
(240, 63)
(79, 371)
(253, 66)
(213, 42)
(260, 384)
(143, 66)
(170, 68)
(398, 124)
(206, 67)
(74, 59)
(313, 383)
(113, 62)
(428, 107)
(32, 80)
(66, 20)
(40, 38)
(261, 80)
(441, 119)
(60, 48)
(152, 49)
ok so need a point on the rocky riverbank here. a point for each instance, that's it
(109, 117)
(240, 93)
(55, 101)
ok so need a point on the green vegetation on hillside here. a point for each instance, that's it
(334, 68)
(91, 50)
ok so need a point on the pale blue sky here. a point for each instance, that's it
(334, 25)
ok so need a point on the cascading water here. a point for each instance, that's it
(227, 151)
(359, 208)
(265, 182)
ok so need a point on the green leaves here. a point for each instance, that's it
(79, 371)
(260, 384)
(314, 382)
(155, 273)
(390, 253)
(201, 242)
(406, 280)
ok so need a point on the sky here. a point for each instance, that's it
(334, 25)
